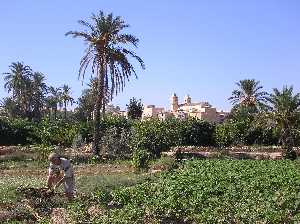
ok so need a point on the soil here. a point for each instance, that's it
(81, 170)
(36, 203)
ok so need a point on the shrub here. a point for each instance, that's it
(20, 131)
(56, 132)
(165, 163)
(16, 131)
(116, 133)
(197, 132)
(140, 159)
(151, 135)
(244, 132)
(223, 135)
(157, 136)
(115, 142)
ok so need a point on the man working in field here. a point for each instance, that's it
(61, 172)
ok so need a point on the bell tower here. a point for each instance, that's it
(174, 103)
(187, 100)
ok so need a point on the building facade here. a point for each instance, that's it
(201, 110)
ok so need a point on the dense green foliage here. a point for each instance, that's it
(244, 132)
(135, 109)
(14, 132)
(215, 191)
(121, 136)
(140, 159)
(156, 136)
(19, 131)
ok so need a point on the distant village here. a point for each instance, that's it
(201, 110)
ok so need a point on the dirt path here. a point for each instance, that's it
(81, 170)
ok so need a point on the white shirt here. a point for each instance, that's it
(65, 165)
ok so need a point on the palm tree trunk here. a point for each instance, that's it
(288, 143)
(97, 115)
(65, 110)
(55, 113)
(103, 108)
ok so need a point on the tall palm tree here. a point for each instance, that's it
(38, 92)
(10, 107)
(17, 81)
(16, 78)
(54, 99)
(66, 98)
(249, 94)
(285, 114)
(108, 58)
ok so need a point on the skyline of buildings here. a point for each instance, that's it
(201, 110)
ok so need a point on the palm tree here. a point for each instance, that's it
(10, 107)
(17, 81)
(285, 114)
(66, 98)
(108, 58)
(92, 91)
(54, 99)
(249, 94)
(86, 101)
(38, 91)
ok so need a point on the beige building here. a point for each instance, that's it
(152, 111)
(201, 110)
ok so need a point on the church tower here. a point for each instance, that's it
(174, 103)
(187, 100)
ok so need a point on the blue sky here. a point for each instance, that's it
(191, 47)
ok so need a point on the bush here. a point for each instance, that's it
(19, 131)
(165, 163)
(196, 132)
(115, 142)
(154, 135)
(157, 136)
(224, 135)
(244, 132)
(140, 159)
(116, 133)
(16, 131)
(56, 132)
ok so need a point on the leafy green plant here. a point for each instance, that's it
(214, 191)
(158, 136)
(165, 163)
(16, 131)
(140, 159)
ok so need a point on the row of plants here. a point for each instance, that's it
(204, 191)
(24, 132)
(199, 191)
(121, 135)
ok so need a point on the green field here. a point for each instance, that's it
(199, 191)
(214, 191)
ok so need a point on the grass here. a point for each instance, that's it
(88, 184)
(18, 172)
(8, 186)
